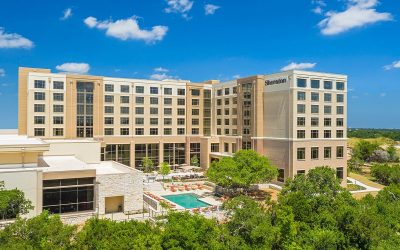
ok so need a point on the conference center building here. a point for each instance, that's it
(296, 118)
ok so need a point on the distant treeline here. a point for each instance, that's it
(365, 133)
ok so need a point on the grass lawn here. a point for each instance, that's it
(354, 187)
(366, 180)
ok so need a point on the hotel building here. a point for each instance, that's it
(296, 118)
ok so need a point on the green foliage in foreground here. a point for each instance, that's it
(13, 203)
(246, 167)
(313, 212)
(386, 174)
(393, 134)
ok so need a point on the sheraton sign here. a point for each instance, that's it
(274, 82)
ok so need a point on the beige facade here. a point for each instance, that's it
(173, 120)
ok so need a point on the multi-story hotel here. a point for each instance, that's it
(295, 118)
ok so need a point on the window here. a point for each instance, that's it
(124, 88)
(181, 121)
(301, 96)
(219, 112)
(58, 120)
(181, 111)
(124, 131)
(339, 152)
(226, 122)
(153, 100)
(108, 88)
(314, 153)
(153, 131)
(39, 119)
(58, 108)
(301, 134)
(153, 90)
(181, 91)
(327, 97)
(314, 121)
(327, 110)
(327, 152)
(180, 131)
(281, 175)
(139, 131)
(168, 91)
(314, 134)
(339, 110)
(339, 133)
(139, 100)
(139, 121)
(214, 147)
(58, 97)
(139, 110)
(125, 110)
(39, 96)
(301, 108)
(301, 121)
(195, 92)
(39, 131)
(314, 109)
(58, 85)
(124, 99)
(226, 90)
(139, 89)
(167, 101)
(315, 84)
(167, 131)
(339, 122)
(181, 102)
(195, 122)
(108, 120)
(234, 90)
(219, 92)
(108, 131)
(153, 111)
(39, 108)
(301, 83)
(327, 122)
(226, 111)
(195, 102)
(109, 109)
(195, 131)
(327, 84)
(195, 111)
(314, 97)
(40, 84)
(339, 173)
(109, 99)
(124, 121)
(167, 111)
(339, 98)
(340, 85)
(301, 154)
(219, 102)
(58, 132)
(327, 134)
(153, 121)
(167, 121)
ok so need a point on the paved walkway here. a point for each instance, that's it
(359, 183)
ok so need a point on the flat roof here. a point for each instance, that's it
(64, 164)
(15, 140)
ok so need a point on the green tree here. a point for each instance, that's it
(363, 150)
(165, 169)
(194, 161)
(392, 151)
(41, 232)
(13, 203)
(245, 168)
(355, 165)
(148, 165)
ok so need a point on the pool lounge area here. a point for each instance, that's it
(186, 200)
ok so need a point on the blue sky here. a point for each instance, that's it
(215, 39)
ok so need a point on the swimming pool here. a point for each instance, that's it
(186, 200)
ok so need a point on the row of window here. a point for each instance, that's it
(314, 96)
(152, 111)
(301, 134)
(41, 108)
(152, 131)
(227, 112)
(56, 132)
(153, 100)
(226, 101)
(41, 84)
(41, 119)
(227, 122)
(315, 153)
(301, 122)
(316, 84)
(153, 90)
(41, 96)
(226, 91)
(315, 109)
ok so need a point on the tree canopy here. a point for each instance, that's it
(13, 203)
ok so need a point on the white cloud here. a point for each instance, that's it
(161, 69)
(236, 76)
(13, 41)
(210, 9)
(78, 68)
(2, 72)
(319, 5)
(394, 65)
(128, 29)
(179, 6)
(317, 10)
(357, 14)
(67, 13)
(294, 65)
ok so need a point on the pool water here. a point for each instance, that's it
(186, 200)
